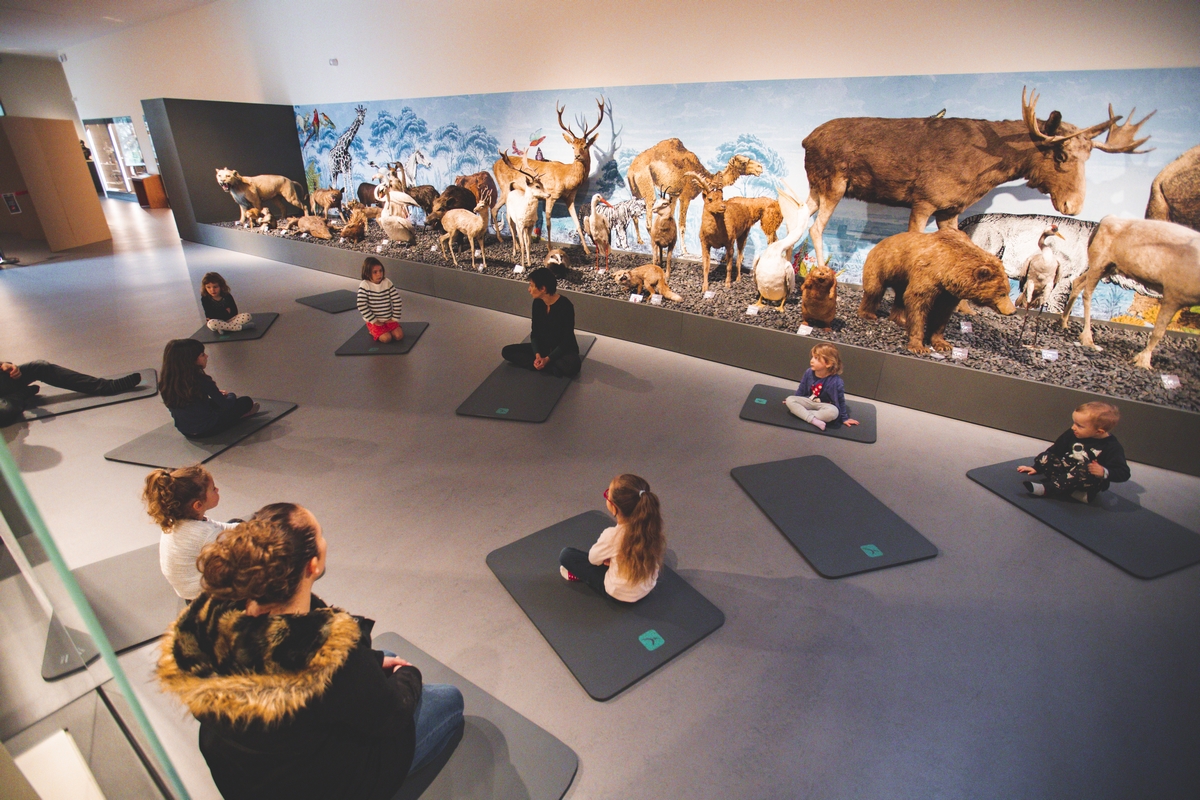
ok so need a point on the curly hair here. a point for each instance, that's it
(214, 277)
(641, 551)
(262, 559)
(169, 494)
(180, 378)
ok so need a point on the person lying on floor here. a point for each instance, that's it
(625, 561)
(17, 387)
(197, 406)
(292, 701)
(552, 347)
(1085, 460)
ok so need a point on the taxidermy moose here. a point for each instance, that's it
(938, 167)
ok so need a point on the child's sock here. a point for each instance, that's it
(1035, 489)
(817, 423)
(567, 575)
(1080, 494)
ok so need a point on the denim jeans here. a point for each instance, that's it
(438, 716)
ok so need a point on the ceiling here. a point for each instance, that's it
(44, 27)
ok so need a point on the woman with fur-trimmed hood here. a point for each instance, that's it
(292, 701)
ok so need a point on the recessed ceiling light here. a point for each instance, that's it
(333, 62)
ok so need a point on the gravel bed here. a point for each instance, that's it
(994, 344)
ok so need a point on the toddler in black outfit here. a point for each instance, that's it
(1085, 459)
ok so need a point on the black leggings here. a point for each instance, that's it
(227, 417)
(521, 355)
(576, 562)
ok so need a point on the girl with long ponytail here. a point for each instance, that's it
(625, 561)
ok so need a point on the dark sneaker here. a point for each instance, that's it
(125, 384)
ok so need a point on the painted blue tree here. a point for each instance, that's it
(774, 169)
(394, 137)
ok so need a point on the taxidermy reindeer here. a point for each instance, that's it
(560, 180)
(664, 232)
(666, 166)
(1162, 255)
(938, 167)
(472, 224)
(522, 205)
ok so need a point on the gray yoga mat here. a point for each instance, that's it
(168, 448)
(55, 402)
(1113, 527)
(261, 323)
(334, 302)
(606, 644)
(132, 600)
(501, 755)
(765, 404)
(520, 394)
(361, 343)
(838, 526)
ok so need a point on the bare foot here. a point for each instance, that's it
(253, 410)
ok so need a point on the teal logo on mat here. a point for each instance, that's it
(651, 640)
(762, 401)
(501, 410)
(372, 349)
(872, 551)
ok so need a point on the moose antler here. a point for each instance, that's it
(1029, 114)
(1120, 137)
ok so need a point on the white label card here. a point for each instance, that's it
(601, 271)
(967, 327)
(656, 299)
(1050, 355)
(1171, 381)
(752, 311)
(804, 330)
(959, 353)
(635, 298)
(709, 295)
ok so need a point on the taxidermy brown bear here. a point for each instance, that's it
(818, 297)
(930, 273)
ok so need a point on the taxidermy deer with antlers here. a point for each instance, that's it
(560, 180)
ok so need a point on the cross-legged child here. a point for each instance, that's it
(220, 309)
(820, 399)
(379, 303)
(1085, 459)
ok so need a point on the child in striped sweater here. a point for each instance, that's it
(379, 303)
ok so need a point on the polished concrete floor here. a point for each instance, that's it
(1015, 664)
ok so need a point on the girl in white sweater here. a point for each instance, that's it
(178, 501)
(625, 561)
(379, 303)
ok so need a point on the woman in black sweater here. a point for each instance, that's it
(292, 701)
(551, 347)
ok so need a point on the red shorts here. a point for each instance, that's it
(379, 330)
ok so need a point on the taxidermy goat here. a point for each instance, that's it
(818, 297)
(647, 278)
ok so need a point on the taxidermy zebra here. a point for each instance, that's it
(619, 215)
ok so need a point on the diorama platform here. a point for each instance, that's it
(1159, 435)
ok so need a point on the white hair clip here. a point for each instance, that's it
(641, 492)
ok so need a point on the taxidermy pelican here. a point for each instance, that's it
(1041, 270)
(394, 218)
(773, 271)
(599, 229)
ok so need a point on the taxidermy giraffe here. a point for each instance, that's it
(340, 162)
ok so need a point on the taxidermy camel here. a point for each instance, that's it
(1162, 255)
(666, 166)
(773, 272)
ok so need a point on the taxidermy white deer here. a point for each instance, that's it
(524, 194)
(774, 274)
(471, 224)
(1040, 271)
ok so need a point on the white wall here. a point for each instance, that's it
(278, 52)
(36, 87)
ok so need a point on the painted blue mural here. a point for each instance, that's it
(767, 120)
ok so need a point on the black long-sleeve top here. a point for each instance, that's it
(1106, 452)
(224, 309)
(553, 333)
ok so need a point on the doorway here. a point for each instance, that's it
(116, 153)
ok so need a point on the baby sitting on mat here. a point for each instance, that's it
(625, 561)
(1085, 459)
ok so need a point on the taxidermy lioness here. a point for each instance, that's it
(256, 190)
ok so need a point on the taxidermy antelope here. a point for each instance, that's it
(774, 274)
(1162, 255)
(522, 206)
(1040, 271)
(598, 228)
(472, 224)
(938, 167)
(713, 231)
(664, 233)
(560, 180)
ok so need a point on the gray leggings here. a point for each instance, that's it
(809, 410)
